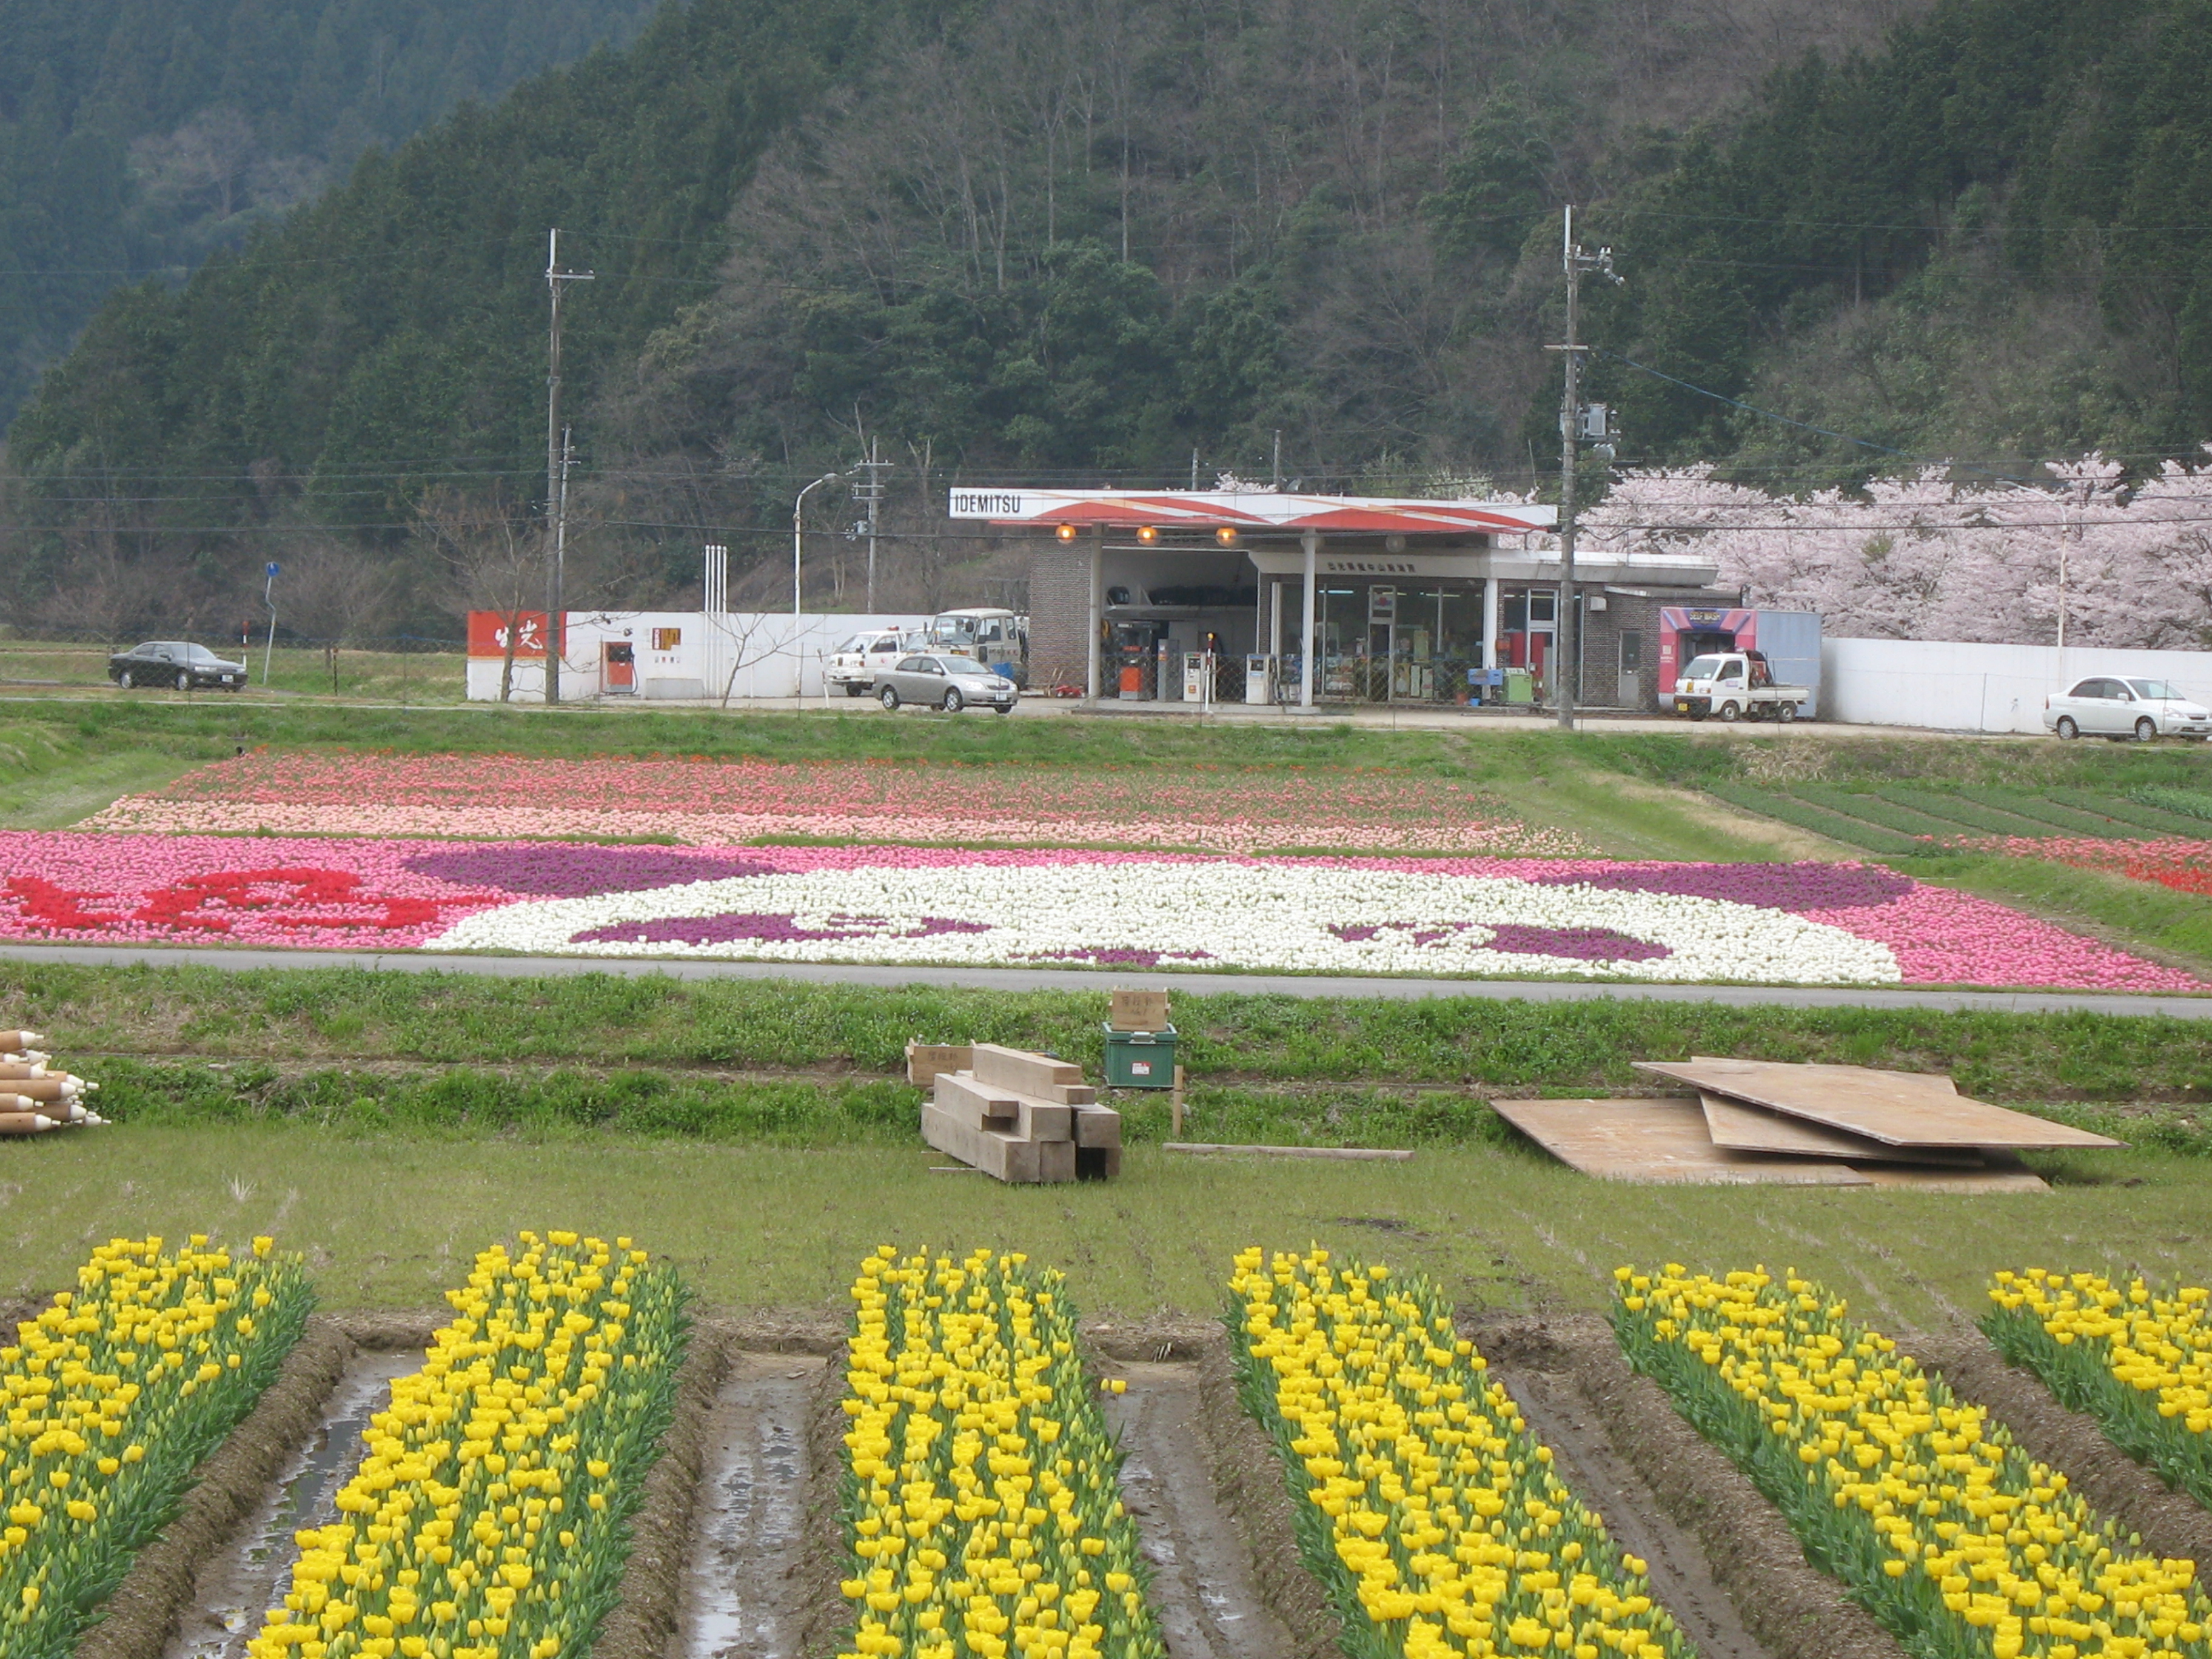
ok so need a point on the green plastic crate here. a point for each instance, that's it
(1141, 1060)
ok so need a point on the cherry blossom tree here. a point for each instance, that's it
(2111, 562)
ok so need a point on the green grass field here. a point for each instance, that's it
(391, 1125)
(391, 1220)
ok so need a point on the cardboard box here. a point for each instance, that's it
(1139, 1010)
(924, 1060)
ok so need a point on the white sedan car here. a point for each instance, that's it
(2116, 708)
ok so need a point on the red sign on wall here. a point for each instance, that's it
(488, 631)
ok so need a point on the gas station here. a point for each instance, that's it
(1301, 600)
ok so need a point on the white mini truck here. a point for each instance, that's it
(1736, 686)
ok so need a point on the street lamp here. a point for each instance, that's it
(798, 534)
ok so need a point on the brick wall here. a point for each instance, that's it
(1059, 613)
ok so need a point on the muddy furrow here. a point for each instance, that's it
(246, 1577)
(1204, 1588)
(1682, 1580)
(745, 1593)
(1782, 1604)
(2173, 1524)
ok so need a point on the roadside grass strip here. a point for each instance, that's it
(113, 1395)
(1421, 1501)
(1938, 1524)
(2139, 1362)
(488, 1519)
(981, 1491)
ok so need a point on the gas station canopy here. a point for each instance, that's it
(1257, 511)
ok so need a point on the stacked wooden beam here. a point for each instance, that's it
(1021, 1116)
(34, 1098)
(1762, 1121)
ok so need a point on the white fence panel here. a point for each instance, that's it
(1949, 687)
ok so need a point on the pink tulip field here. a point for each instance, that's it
(709, 803)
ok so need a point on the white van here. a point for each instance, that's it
(855, 664)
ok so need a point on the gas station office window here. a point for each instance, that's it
(667, 639)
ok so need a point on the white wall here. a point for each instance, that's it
(759, 654)
(1977, 688)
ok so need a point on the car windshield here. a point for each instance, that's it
(964, 665)
(200, 654)
(1702, 668)
(854, 642)
(2163, 688)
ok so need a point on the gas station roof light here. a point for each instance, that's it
(1147, 534)
(1065, 532)
(1226, 535)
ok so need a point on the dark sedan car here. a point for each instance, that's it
(174, 662)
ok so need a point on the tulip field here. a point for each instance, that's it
(965, 1497)
(1803, 923)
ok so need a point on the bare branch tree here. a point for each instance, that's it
(490, 549)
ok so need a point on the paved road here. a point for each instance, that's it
(1069, 979)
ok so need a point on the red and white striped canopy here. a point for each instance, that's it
(1256, 510)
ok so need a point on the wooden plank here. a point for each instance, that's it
(1742, 1128)
(1656, 1142)
(1899, 1109)
(1139, 1010)
(1055, 1160)
(1381, 1154)
(924, 1060)
(991, 1106)
(1925, 1178)
(994, 1153)
(976, 1105)
(1017, 1069)
(1097, 1126)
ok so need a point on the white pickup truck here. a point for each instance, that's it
(1735, 686)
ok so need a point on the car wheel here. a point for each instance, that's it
(124, 680)
(2146, 729)
(954, 702)
(1004, 709)
(854, 688)
(888, 698)
(184, 681)
(1730, 712)
(2066, 729)
(1785, 712)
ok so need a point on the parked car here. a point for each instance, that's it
(943, 680)
(855, 664)
(174, 662)
(2111, 706)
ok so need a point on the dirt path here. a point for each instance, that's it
(1205, 1589)
(743, 1592)
(249, 1576)
(1682, 1578)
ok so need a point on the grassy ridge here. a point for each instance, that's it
(333, 1016)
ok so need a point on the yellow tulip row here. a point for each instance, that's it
(1944, 1529)
(485, 1519)
(113, 1394)
(1442, 1519)
(984, 1516)
(2140, 1363)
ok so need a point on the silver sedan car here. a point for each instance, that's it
(946, 680)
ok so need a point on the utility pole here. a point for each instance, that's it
(870, 496)
(1572, 420)
(556, 469)
(1276, 476)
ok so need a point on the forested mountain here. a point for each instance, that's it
(139, 136)
(1100, 237)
